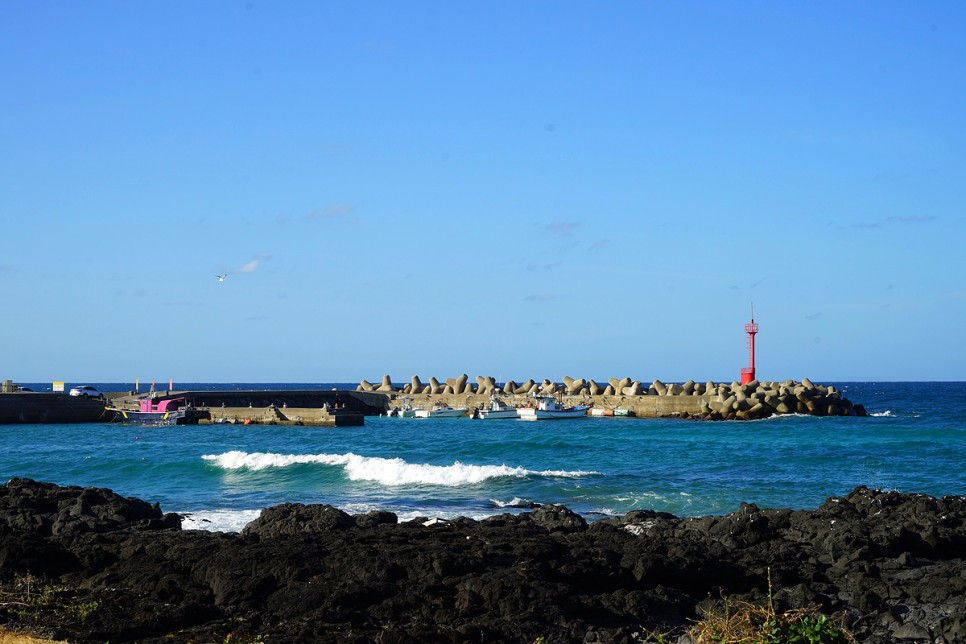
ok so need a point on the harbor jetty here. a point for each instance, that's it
(331, 408)
(618, 396)
(32, 407)
(690, 399)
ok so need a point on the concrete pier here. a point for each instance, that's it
(640, 406)
(722, 401)
(321, 408)
(275, 407)
(338, 408)
(313, 416)
(33, 407)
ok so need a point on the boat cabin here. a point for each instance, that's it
(155, 405)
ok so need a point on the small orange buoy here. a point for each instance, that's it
(248, 421)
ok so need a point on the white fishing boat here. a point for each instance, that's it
(496, 410)
(549, 408)
(604, 411)
(440, 411)
(406, 410)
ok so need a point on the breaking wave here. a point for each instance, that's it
(217, 520)
(881, 414)
(387, 471)
(515, 502)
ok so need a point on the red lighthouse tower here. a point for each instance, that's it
(748, 373)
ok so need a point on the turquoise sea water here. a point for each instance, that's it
(222, 475)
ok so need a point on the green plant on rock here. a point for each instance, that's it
(242, 638)
(83, 610)
(731, 623)
(32, 601)
(815, 630)
(754, 624)
(27, 598)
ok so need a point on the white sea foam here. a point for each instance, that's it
(386, 471)
(218, 520)
(255, 461)
(882, 414)
(777, 418)
(515, 502)
(236, 520)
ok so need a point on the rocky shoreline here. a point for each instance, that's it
(890, 566)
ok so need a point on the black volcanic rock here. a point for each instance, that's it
(890, 565)
(296, 518)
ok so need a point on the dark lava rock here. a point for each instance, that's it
(296, 518)
(557, 518)
(890, 565)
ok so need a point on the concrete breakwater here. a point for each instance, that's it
(331, 408)
(31, 407)
(708, 400)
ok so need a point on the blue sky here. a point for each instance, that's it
(521, 190)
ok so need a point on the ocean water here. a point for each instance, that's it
(220, 476)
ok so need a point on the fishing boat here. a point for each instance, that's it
(616, 411)
(406, 410)
(151, 411)
(440, 411)
(549, 408)
(496, 410)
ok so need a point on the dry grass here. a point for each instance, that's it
(9, 637)
(30, 603)
(740, 622)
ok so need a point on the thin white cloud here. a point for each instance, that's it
(562, 227)
(338, 210)
(338, 147)
(913, 219)
(378, 46)
(252, 266)
(540, 297)
(334, 211)
(549, 266)
(896, 219)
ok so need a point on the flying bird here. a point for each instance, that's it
(221, 278)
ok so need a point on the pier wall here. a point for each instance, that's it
(641, 406)
(749, 401)
(35, 407)
(359, 402)
(313, 416)
(306, 407)
(744, 402)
